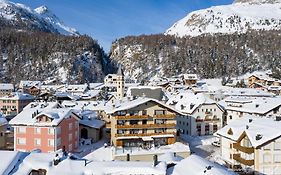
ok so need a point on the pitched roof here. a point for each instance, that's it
(128, 104)
(197, 165)
(257, 105)
(51, 110)
(267, 128)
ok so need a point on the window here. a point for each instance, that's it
(70, 137)
(266, 158)
(76, 124)
(70, 126)
(58, 141)
(76, 134)
(159, 112)
(267, 147)
(215, 128)
(37, 142)
(51, 131)
(51, 142)
(58, 130)
(70, 147)
(277, 158)
(21, 141)
(37, 130)
(277, 145)
(21, 130)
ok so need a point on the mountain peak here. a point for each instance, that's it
(42, 9)
(257, 1)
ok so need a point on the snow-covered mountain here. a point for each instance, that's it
(41, 18)
(241, 16)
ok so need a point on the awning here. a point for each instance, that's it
(147, 138)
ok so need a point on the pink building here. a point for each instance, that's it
(46, 126)
(12, 104)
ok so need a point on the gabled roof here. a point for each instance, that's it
(4, 86)
(188, 102)
(267, 128)
(196, 165)
(51, 109)
(257, 105)
(17, 96)
(129, 104)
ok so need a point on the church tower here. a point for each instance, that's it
(120, 83)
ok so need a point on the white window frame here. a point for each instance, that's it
(70, 126)
(22, 139)
(37, 130)
(36, 143)
(70, 136)
(21, 130)
(51, 142)
(51, 131)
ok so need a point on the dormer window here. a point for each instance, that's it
(230, 132)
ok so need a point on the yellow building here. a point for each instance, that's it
(142, 122)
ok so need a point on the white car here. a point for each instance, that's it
(216, 143)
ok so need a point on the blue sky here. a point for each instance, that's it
(107, 20)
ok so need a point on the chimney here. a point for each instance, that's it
(247, 127)
(128, 157)
(250, 120)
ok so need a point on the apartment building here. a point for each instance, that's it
(12, 104)
(252, 144)
(203, 115)
(143, 122)
(46, 126)
(237, 107)
(3, 129)
(6, 89)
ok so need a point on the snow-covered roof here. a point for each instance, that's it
(4, 86)
(94, 85)
(257, 105)
(128, 104)
(266, 128)
(27, 84)
(50, 109)
(9, 159)
(77, 167)
(196, 165)
(246, 92)
(189, 102)
(17, 96)
(190, 76)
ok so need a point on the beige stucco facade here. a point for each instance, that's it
(145, 125)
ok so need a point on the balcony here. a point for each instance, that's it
(165, 116)
(131, 117)
(243, 161)
(243, 149)
(208, 120)
(145, 134)
(152, 126)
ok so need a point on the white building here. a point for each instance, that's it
(252, 144)
(204, 116)
(237, 107)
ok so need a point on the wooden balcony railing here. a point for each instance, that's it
(243, 149)
(145, 134)
(131, 117)
(208, 120)
(165, 116)
(243, 161)
(168, 125)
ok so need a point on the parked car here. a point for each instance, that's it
(216, 143)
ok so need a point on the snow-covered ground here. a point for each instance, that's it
(202, 146)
